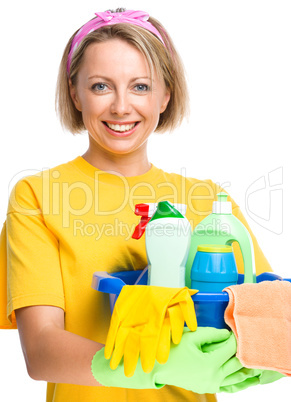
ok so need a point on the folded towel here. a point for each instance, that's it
(259, 314)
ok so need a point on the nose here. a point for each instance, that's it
(121, 104)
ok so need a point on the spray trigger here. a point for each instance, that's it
(143, 211)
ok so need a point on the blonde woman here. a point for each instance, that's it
(120, 79)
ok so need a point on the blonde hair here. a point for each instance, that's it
(163, 59)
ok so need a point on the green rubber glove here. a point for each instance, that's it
(192, 364)
(245, 378)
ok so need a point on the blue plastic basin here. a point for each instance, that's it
(209, 307)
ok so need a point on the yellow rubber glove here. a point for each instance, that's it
(144, 320)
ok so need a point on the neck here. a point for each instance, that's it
(133, 164)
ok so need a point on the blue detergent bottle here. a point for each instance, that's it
(214, 268)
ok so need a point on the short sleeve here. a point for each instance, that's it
(261, 262)
(33, 264)
(4, 322)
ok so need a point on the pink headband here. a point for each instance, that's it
(108, 18)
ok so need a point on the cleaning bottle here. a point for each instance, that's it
(222, 228)
(214, 268)
(168, 238)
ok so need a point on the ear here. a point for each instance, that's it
(166, 100)
(74, 96)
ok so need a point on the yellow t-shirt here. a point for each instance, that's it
(70, 221)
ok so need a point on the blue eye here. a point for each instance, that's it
(142, 88)
(99, 87)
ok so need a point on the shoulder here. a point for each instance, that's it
(28, 192)
(198, 194)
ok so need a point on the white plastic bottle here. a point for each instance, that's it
(168, 239)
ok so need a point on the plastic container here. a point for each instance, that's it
(214, 268)
(222, 227)
(167, 238)
(209, 307)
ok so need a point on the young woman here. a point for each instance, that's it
(120, 79)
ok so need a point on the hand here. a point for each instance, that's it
(200, 363)
(245, 378)
(144, 320)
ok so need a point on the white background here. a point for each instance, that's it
(238, 63)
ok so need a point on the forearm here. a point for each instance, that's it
(63, 357)
(51, 353)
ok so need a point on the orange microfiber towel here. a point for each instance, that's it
(259, 314)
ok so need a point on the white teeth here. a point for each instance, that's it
(121, 127)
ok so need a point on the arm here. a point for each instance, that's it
(51, 353)
(34, 279)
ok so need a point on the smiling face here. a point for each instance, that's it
(119, 101)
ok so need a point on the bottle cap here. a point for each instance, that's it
(214, 248)
(166, 210)
(222, 206)
(146, 211)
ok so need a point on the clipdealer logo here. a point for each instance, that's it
(74, 199)
(263, 198)
(117, 228)
(264, 201)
